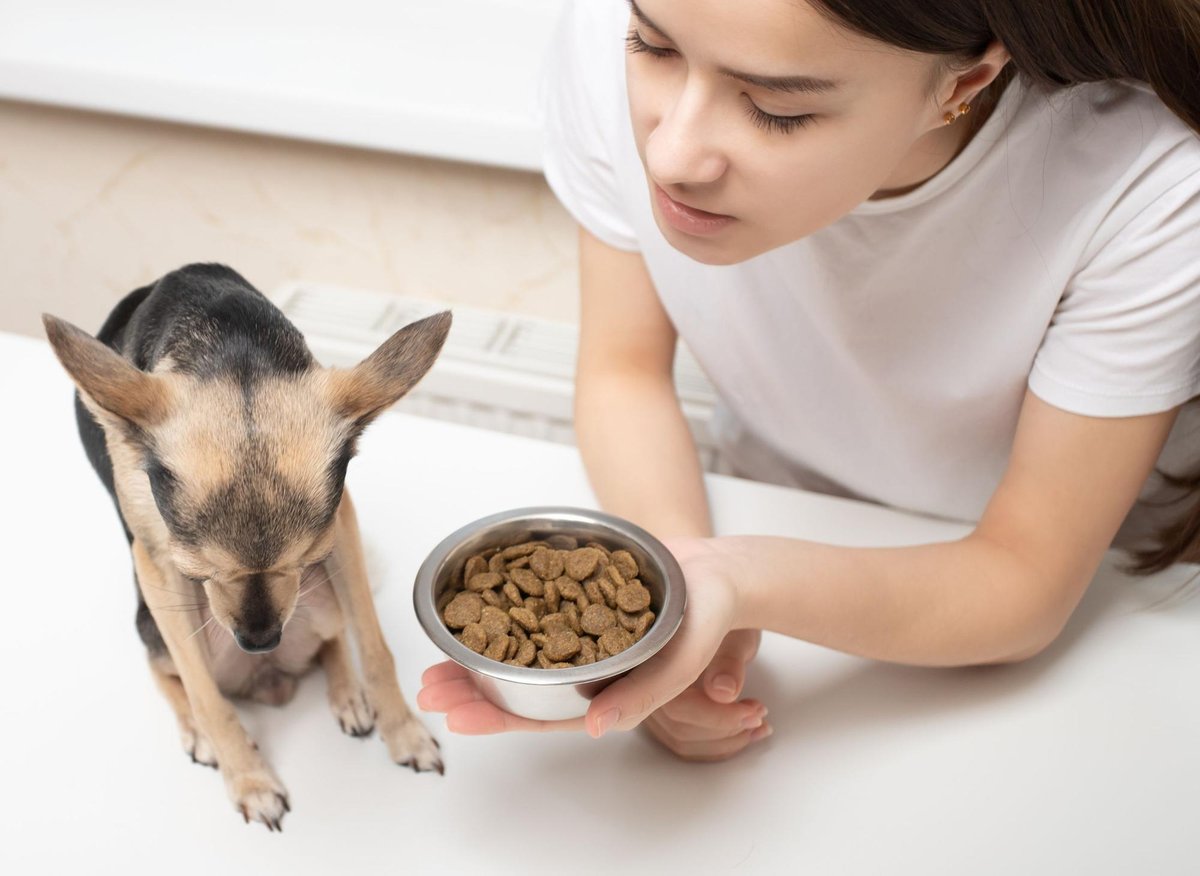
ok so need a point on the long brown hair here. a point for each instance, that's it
(1053, 43)
(1057, 43)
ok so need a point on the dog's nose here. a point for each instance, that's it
(259, 641)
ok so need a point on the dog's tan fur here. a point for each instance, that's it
(316, 582)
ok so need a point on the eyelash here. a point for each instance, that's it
(634, 44)
(781, 124)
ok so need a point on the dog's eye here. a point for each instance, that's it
(308, 564)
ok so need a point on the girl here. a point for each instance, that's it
(942, 256)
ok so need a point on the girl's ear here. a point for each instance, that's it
(107, 379)
(384, 377)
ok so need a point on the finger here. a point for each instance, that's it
(481, 717)
(710, 750)
(722, 719)
(443, 672)
(726, 673)
(627, 702)
(684, 732)
(446, 695)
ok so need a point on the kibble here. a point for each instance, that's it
(582, 562)
(528, 582)
(596, 619)
(525, 618)
(484, 581)
(495, 622)
(497, 648)
(477, 565)
(549, 604)
(614, 640)
(465, 608)
(625, 564)
(547, 564)
(633, 597)
(474, 637)
(562, 645)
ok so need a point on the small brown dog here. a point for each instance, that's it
(225, 447)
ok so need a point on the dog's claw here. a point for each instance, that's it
(354, 714)
(259, 797)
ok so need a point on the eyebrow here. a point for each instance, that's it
(784, 84)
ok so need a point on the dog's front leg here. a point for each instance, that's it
(408, 742)
(252, 785)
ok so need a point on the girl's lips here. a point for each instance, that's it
(687, 219)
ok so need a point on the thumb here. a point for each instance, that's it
(628, 701)
(726, 673)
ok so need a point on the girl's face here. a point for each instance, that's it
(774, 118)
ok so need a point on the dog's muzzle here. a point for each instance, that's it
(258, 642)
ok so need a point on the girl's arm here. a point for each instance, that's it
(635, 442)
(1004, 592)
(1001, 594)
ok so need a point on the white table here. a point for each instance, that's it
(1084, 760)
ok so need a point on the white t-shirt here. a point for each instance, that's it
(885, 357)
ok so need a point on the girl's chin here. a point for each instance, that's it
(714, 251)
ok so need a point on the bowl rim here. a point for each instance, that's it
(665, 624)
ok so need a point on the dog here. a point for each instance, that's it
(225, 447)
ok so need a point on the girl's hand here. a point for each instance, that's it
(706, 724)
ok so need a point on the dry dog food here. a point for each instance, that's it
(550, 604)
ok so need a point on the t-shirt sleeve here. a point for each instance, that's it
(581, 112)
(1125, 338)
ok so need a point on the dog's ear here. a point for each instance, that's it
(361, 392)
(110, 380)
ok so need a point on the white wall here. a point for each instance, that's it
(92, 206)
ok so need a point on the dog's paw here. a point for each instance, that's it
(354, 714)
(196, 745)
(410, 745)
(260, 797)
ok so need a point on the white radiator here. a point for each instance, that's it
(498, 370)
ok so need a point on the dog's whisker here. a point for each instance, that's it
(201, 627)
(169, 590)
(310, 589)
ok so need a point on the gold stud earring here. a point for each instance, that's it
(951, 118)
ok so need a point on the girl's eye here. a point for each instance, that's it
(777, 124)
(635, 44)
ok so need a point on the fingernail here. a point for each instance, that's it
(751, 721)
(762, 733)
(726, 685)
(606, 722)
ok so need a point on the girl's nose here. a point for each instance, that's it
(683, 148)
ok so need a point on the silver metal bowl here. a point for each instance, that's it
(549, 694)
